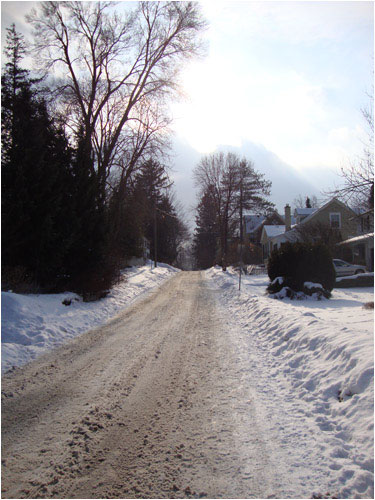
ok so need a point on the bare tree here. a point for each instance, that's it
(358, 176)
(115, 71)
(234, 185)
(209, 177)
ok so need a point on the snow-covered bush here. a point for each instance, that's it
(301, 267)
(313, 290)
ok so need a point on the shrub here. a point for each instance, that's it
(94, 282)
(302, 267)
(18, 279)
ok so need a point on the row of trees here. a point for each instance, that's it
(83, 181)
(228, 185)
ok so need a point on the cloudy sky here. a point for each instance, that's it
(282, 83)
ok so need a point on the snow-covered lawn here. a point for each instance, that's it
(311, 363)
(33, 324)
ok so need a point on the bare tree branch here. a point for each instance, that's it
(112, 67)
(358, 175)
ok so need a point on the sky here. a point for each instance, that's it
(282, 83)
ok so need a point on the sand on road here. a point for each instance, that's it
(147, 406)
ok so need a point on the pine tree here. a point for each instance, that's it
(154, 212)
(133, 205)
(150, 183)
(206, 232)
(151, 180)
(125, 218)
(170, 230)
(14, 81)
(91, 264)
(36, 170)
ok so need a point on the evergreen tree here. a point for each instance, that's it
(206, 232)
(126, 223)
(171, 231)
(151, 180)
(14, 81)
(156, 211)
(150, 183)
(90, 264)
(36, 173)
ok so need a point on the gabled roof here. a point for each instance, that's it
(272, 231)
(309, 217)
(305, 211)
(279, 231)
(253, 222)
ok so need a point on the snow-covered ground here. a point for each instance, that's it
(34, 324)
(307, 364)
(311, 363)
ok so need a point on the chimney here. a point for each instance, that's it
(288, 218)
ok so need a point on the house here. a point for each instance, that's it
(360, 249)
(365, 221)
(333, 220)
(301, 213)
(253, 225)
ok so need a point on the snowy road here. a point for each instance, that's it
(148, 406)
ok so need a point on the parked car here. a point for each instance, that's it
(343, 268)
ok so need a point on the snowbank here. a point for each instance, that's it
(312, 363)
(33, 324)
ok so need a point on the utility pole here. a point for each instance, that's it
(241, 230)
(155, 238)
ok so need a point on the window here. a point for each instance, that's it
(335, 220)
(338, 263)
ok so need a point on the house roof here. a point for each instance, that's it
(272, 231)
(309, 217)
(277, 233)
(253, 222)
(283, 237)
(357, 239)
(304, 211)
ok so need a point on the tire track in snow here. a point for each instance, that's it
(148, 406)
